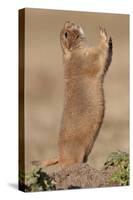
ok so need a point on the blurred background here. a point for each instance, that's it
(44, 89)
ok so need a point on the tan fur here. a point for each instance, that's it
(84, 70)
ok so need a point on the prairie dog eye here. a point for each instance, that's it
(66, 34)
(77, 37)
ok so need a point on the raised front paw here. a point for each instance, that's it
(103, 34)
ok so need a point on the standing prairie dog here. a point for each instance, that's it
(84, 71)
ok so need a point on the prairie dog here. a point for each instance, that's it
(84, 71)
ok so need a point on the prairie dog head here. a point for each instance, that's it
(71, 36)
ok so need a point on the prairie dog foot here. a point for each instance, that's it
(45, 163)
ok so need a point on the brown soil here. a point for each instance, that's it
(83, 176)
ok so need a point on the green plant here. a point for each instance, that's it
(36, 180)
(120, 160)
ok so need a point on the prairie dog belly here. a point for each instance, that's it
(82, 116)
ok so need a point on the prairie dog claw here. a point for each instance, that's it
(103, 34)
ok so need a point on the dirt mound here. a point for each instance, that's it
(83, 176)
(115, 172)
